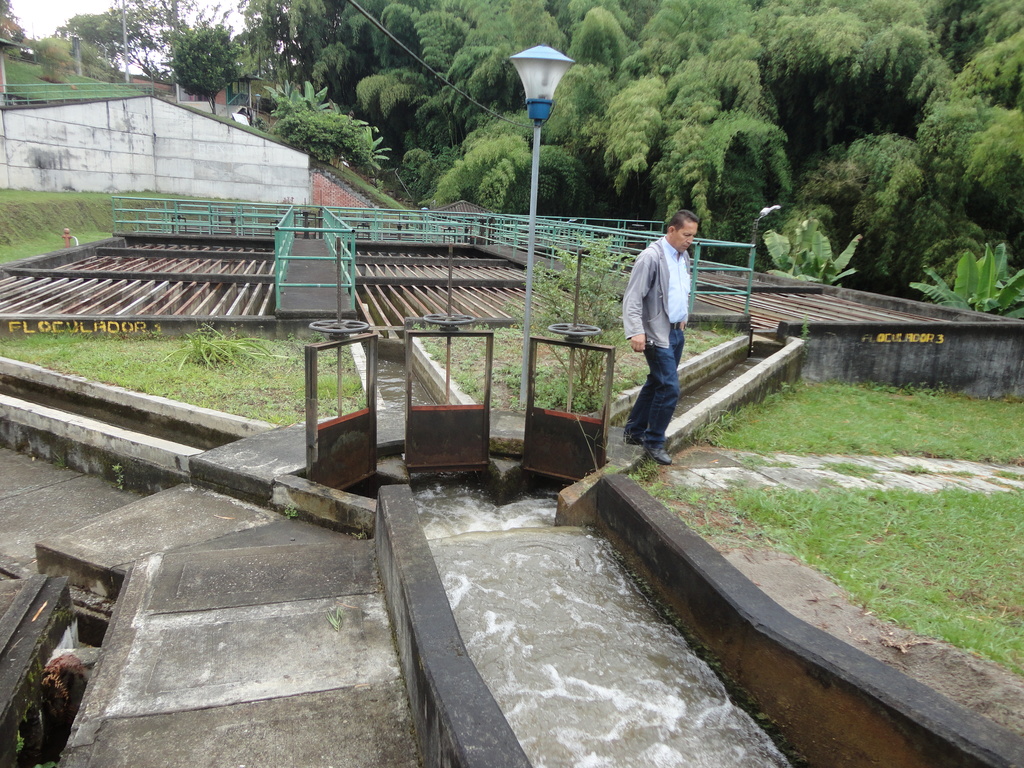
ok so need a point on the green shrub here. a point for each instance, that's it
(983, 285)
(807, 255)
(328, 136)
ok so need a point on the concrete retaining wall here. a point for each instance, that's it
(128, 459)
(767, 376)
(458, 723)
(693, 373)
(155, 416)
(839, 707)
(981, 359)
(143, 143)
(140, 442)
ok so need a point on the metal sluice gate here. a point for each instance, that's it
(341, 450)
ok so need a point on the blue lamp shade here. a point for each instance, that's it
(541, 68)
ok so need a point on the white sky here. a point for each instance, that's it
(40, 18)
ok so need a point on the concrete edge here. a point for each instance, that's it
(118, 645)
(693, 373)
(210, 426)
(770, 374)
(323, 506)
(271, 327)
(36, 621)
(247, 469)
(129, 460)
(458, 723)
(838, 706)
(432, 374)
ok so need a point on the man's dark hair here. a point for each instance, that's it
(682, 217)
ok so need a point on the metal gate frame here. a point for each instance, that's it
(341, 451)
(563, 444)
(448, 437)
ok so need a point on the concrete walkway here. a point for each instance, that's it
(245, 638)
(240, 637)
(721, 469)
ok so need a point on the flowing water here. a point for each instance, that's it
(586, 671)
(391, 378)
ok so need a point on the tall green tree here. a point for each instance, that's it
(9, 26)
(205, 61)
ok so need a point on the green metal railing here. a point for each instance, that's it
(340, 240)
(705, 266)
(553, 235)
(284, 239)
(15, 94)
(343, 226)
(195, 217)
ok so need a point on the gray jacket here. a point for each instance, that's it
(644, 304)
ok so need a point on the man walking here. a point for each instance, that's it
(654, 312)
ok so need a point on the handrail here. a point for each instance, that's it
(552, 235)
(23, 94)
(341, 245)
(343, 226)
(178, 216)
(284, 238)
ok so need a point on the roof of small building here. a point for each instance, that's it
(462, 206)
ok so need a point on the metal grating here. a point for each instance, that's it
(767, 310)
(387, 306)
(120, 297)
(173, 265)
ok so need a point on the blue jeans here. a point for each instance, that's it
(657, 400)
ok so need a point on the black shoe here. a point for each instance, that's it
(658, 454)
(629, 439)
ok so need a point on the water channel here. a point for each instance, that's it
(587, 673)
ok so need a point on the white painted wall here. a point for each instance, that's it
(140, 144)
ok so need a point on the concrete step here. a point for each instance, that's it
(263, 648)
(97, 556)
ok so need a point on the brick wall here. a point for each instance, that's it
(326, 191)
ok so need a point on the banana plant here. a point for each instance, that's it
(983, 285)
(808, 255)
(378, 154)
(290, 97)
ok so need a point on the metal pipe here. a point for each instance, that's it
(534, 181)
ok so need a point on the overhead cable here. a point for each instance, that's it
(430, 69)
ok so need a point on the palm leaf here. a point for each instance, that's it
(985, 287)
(1012, 292)
(966, 284)
(940, 292)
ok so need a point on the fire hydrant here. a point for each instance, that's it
(67, 237)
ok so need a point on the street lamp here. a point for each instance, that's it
(540, 68)
(753, 251)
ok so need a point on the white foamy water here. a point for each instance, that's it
(587, 673)
(448, 511)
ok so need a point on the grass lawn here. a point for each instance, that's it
(270, 389)
(872, 419)
(32, 223)
(941, 564)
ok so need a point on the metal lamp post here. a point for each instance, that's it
(540, 68)
(753, 250)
